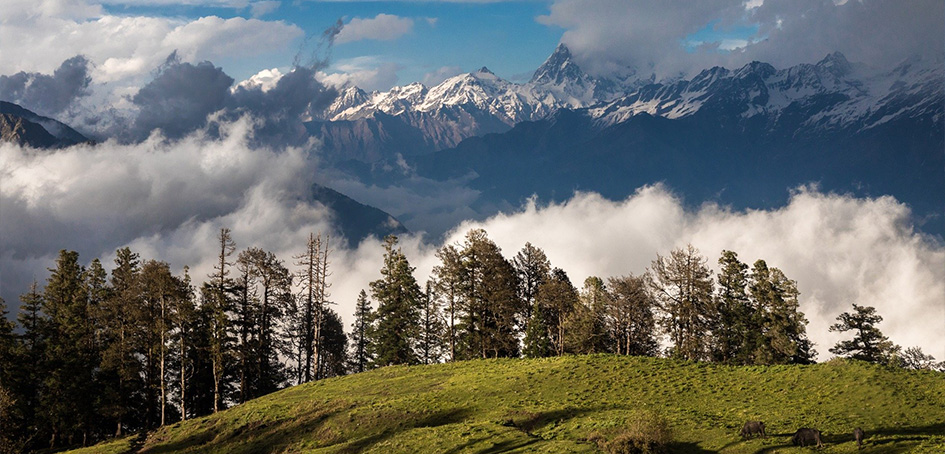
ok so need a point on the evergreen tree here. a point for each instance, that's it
(334, 345)
(537, 342)
(556, 300)
(218, 302)
(360, 334)
(120, 321)
(778, 328)
(682, 287)
(430, 339)
(313, 282)
(630, 316)
(734, 329)
(491, 307)
(394, 337)
(585, 330)
(12, 434)
(868, 343)
(31, 354)
(532, 268)
(162, 293)
(448, 281)
(275, 295)
(184, 312)
(67, 400)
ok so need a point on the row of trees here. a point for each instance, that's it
(100, 354)
(478, 304)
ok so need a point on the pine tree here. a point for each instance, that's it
(430, 339)
(585, 331)
(67, 402)
(120, 323)
(537, 343)
(733, 331)
(778, 329)
(532, 268)
(448, 279)
(218, 302)
(334, 344)
(313, 280)
(162, 293)
(682, 287)
(868, 343)
(184, 312)
(491, 306)
(360, 334)
(32, 351)
(398, 297)
(630, 316)
(556, 300)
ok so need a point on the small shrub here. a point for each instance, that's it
(645, 434)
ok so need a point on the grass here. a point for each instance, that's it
(575, 404)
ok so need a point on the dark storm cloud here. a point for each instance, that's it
(48, 94)
(180, 97)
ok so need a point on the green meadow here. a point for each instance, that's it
(573, 404)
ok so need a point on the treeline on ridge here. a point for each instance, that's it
(100, 354)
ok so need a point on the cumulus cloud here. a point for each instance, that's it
(650, 36)
(165, 199)
(841, 250)
(259, 9)
(433, 78)
(48, 94)
(168, 199)
(383, 27)
(367, 72)
(38, 36)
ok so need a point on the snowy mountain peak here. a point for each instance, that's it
(485, 70)
(558, 69)
(836, 63)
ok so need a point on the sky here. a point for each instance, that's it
(167, 199)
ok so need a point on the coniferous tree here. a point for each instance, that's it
(682, 286)
(162, 293)
(585, 330)
(360, 334)
(184, 312)
(734, 329)
(630, 316)
(537, 342)
(11, 435)
(448, 279)
(32, 350)
(218, 301)
(868, 343)
(313, 282)
(122, 391)
(334, 345)
(491, 306)
(69, 388)
(556, 300)
(275, 295)
(778, 328)
(394, 336)
(430, 339)
(532, 268)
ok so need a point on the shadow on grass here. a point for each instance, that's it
(688, 448)
(890, 440)
(441, 418)
(253, 437)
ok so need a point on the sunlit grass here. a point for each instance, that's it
(569, 404)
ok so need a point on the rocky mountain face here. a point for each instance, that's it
(23, 127)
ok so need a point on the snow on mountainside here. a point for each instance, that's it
(832, 94)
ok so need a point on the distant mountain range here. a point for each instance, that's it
(740, 137)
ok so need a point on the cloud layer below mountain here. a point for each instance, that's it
(168, 200)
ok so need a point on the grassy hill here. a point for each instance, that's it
(574, 404)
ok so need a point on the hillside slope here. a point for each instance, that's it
(554, 405)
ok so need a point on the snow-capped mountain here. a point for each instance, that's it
(831, 94)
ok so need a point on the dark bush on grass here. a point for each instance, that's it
(645, 434)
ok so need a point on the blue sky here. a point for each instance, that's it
(503, 36)
(384, 43)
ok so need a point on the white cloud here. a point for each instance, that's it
(168, 200)
(367, 72)
(433, 78)
(38, 37)
(259, 9)
(841, 250)
(650, 35)
(383, 27)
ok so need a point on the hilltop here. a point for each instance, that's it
(564, 404)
